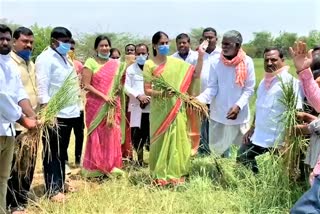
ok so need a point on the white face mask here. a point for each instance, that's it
(141, 59)
(102, 56)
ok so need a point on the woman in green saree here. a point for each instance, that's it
(170, 148)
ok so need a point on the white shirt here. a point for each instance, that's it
(11, 92)
(223, 93)
(192, 57)
(134, 87)
(208, 60)
(51, 72)
(268, 124)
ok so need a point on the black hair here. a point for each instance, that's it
(315, 65)
(142, 45)
(316, 48)
(209, 29)
(125, 48)
(22, 30)
(115, 49)
(60, 32)
(5, 29)
(281, 54)
(156, 38)
(72, 41)
(99, 39)
(183, 36)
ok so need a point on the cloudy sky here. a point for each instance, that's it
(143, 17)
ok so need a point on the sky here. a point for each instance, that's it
(145, 17)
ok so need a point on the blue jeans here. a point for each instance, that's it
(309, 201)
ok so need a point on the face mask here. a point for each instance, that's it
(25, 54)
(164, 49)
(63, 48)
(141, 59)
(102, 56)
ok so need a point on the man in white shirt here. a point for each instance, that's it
(138, 102)
(184, 51)
(267, 129)
(14, 107)
(52, 69)
(20, 182)
(230, 85)
(212, 53)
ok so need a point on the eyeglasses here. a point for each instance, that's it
(115, 57)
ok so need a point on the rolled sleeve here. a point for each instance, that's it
(248, 88)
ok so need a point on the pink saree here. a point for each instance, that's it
(103, 149)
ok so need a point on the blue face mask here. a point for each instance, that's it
(25, 54)
(141, 59)
(164, 49)
(102, 56)
(63, 48)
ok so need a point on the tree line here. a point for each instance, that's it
(85, 41)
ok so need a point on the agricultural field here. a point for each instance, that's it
(214, 185)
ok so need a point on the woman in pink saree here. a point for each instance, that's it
(102, 79)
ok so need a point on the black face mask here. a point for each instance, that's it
(5, 50)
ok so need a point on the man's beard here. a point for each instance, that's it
(5, 50)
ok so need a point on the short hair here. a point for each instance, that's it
(316, 48)
(60, 32)
(99, 39)
(5, 29)
(280, 51)
(72, 41)
(209, 29)
(234, 35)
(183, 36)
(115, 49)
(125, 48)
(156, 38)
(142, 45)
(22, 30)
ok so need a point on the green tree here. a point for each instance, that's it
(260, 41)
(313, 38)
(41, 39)
(284, 41)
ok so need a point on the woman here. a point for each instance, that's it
(170, 148)
(101, 79)
(115, 53)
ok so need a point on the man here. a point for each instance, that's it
(14, 107)
(184, 51)
(194, 58)
(138, 106)
(19, 183)
(230, 85)
(212, 54)
(52, 68)
(267, 130)
(78, 126)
